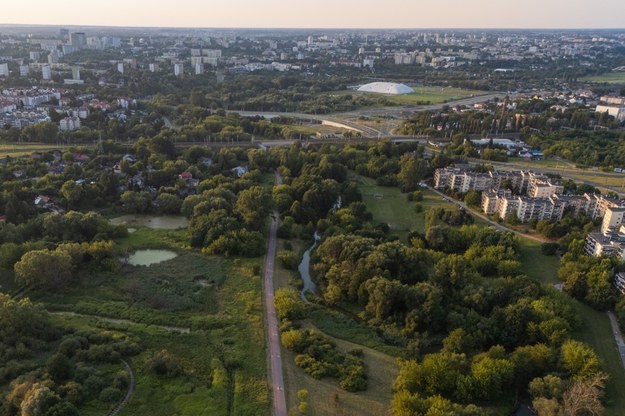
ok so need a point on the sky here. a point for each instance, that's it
(574, 14)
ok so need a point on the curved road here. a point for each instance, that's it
(273, 334)
(351, 119)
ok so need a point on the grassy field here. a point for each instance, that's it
(609, 77)
(389, 205)
(217, 301)
(21, 149)
(327, 398)
(535, 264)
(433, 95)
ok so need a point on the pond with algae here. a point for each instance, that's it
(149, 257)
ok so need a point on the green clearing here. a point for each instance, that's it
(609, 77)
(535, 264)
(388, 205)
(216, 300)
(435, 95)
(327, 398)
(19, 149)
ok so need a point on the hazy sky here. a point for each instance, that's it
(321, 13)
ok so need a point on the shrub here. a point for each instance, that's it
(110, 395)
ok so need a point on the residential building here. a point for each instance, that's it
(605, 245)
(612, 219)
(46, 72)
(616, 111)
(543, 189)
(619, 282)
(178, 69)
(69, 123)
(78, 39)
(4, 70)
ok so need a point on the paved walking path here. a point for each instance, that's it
(273, 335)
(618, 337)
(131, 389)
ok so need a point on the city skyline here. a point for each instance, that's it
(394, 14)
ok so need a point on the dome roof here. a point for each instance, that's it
(386, 88)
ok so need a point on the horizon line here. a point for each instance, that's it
(306, 28)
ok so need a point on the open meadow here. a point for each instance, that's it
(614, 77)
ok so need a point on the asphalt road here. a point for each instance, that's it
(273, 334)
(351, 119)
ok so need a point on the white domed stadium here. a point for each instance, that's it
(390, 88)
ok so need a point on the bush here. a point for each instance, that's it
(164, 364)
(288, 259)
(549, 249)
(110, 395)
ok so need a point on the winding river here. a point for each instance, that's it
(304, 271)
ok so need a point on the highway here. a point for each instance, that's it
(351, 120)
(273, 334)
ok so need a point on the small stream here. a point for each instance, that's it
(304, 271)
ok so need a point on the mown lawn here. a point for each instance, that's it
(435, 95)
(535, 264)
(23, 149)
(609, 77)
(388, 205)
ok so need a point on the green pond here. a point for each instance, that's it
(148, 257)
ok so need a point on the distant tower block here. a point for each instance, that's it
(178, 69)
(76, 73)
(46, 72)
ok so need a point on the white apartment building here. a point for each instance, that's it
(178, 69)
(69, 123)
(46, 72)
(612, 219)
